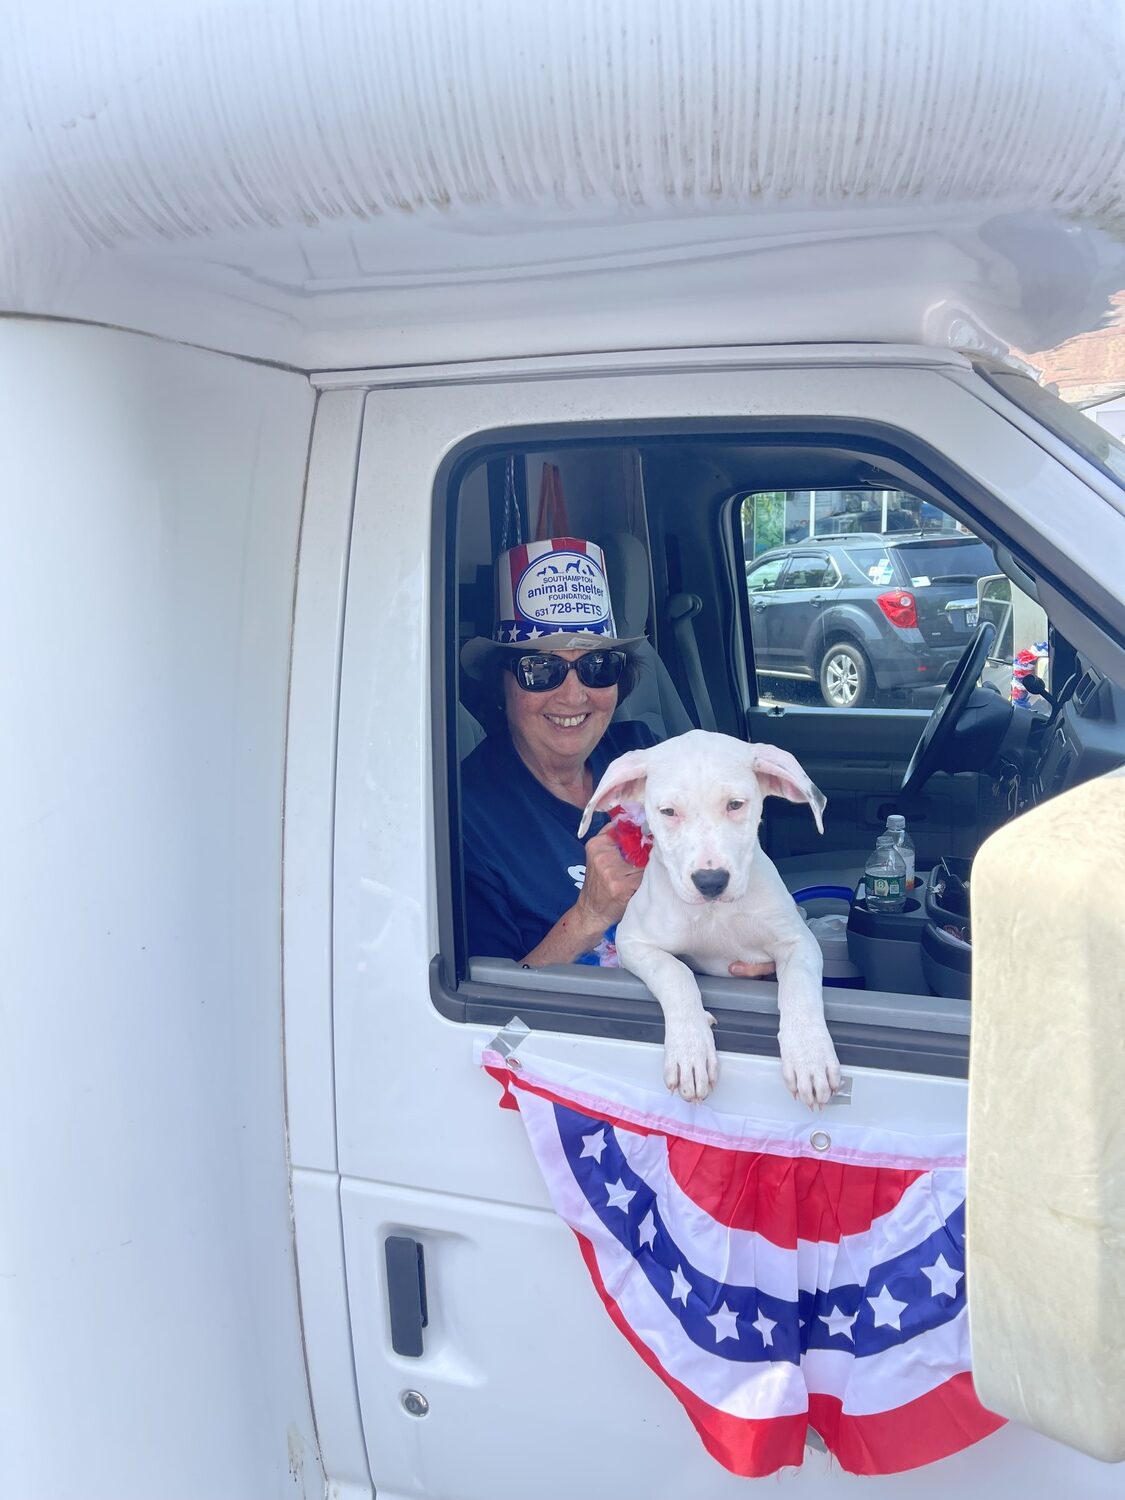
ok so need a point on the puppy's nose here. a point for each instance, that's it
(710, 883)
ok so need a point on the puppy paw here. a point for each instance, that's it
(691, 1064)
(810, 1068)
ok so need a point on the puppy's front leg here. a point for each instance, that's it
(691, 1064)
(809, 1065)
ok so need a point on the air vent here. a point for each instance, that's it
(1085, 690)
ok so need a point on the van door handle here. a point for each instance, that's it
(406, 1293)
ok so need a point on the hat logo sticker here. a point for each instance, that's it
(564, 589)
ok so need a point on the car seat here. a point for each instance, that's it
(654, 701)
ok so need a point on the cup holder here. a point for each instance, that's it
(911, 909)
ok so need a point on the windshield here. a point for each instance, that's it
(1096, 444)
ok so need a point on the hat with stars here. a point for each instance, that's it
(550, 596)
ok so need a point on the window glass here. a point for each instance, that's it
(903, 607)
(764, 575)
(873, 564)
(814, 571)
(958, 557)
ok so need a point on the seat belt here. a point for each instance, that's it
(682, 610)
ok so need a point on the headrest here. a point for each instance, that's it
(626, 565)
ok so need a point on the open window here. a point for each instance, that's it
(812, 590)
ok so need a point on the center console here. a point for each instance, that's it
(924, 949)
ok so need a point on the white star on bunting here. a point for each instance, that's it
(724, 1323)
(681, 1286)
(765, 1327)
(619, 1195)
(647, 1234)
(887, 1310)
(943, 1278)
(593, 1145)
(534, 633)
(840, 1323)
(513, 633)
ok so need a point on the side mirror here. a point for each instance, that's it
(1046, 1176)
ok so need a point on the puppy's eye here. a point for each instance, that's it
(667, 812)
(735, 803)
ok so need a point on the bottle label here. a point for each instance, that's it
(887, 887)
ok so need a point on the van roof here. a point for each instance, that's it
(426, 180)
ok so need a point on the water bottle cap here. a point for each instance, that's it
(896, 820)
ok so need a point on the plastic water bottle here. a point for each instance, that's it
(884, 876)
(896, 824)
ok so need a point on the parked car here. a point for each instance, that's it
(866, 614)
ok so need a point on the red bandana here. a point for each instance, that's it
(631, 837)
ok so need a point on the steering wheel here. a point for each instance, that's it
(929, 750)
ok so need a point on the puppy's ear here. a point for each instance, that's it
(781, 775)
(624, 781)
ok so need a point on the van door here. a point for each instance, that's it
(484, 1363)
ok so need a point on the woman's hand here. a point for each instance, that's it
(742, 970)
(609, 884)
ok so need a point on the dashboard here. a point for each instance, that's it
(1086, 739)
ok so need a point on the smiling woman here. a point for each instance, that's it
(534, 891)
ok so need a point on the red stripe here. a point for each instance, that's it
(942, 1422)
(933, 1426)
(518, 561)
(748, 1447)
(782, 1198)
(785, 1198)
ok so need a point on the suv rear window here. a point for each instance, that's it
(925, 561)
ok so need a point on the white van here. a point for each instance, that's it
(300, 305)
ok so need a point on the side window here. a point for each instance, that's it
(812, 571)
(869, 565)
(763, 577)
(903, 576)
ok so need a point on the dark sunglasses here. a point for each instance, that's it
(542, 671)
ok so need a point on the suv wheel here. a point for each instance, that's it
(845, 677)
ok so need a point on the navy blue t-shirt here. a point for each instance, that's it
(524, 861)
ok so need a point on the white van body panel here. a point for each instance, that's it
(152, 498)
(335, 185)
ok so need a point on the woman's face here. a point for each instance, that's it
(563, 725)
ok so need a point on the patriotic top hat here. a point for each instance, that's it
(550, 596)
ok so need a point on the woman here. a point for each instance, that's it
(554, 671)
(534, 891)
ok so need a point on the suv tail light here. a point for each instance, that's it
(899, 607)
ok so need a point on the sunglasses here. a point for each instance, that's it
(542, 671)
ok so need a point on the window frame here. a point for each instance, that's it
(614, 1003)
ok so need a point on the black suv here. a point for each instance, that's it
(867, 613)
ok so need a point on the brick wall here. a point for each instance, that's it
(1090, 367)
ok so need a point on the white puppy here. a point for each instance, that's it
(710, 896)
